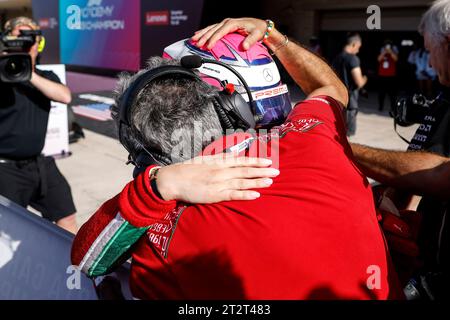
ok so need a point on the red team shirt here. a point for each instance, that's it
(312, 235)
(387, 67)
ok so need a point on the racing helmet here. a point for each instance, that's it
(272, 103)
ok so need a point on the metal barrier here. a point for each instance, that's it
(35, 261)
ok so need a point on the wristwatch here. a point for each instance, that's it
(153, 176)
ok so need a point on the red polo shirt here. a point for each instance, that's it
(312, 235)
(387, 67)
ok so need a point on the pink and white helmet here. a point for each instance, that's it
(271, 97)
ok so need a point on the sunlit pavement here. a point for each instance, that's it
(376, 128)
(96, 172)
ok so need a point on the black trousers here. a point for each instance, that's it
(387, 86)
(351, 112)
(37, 183)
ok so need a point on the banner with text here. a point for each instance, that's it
(57, 139)
(165, 22)
(100, 33)
(113, 34)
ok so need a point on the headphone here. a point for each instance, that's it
(24, 21)
(41, 45)
(231, 108)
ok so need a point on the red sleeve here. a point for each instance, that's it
(136, 204)
(324, 108)
(90, 231)
(140, 206)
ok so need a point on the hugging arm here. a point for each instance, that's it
(105, 240)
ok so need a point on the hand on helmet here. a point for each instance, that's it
(253, 28)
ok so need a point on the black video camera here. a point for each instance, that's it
(15, 62)
(411, 110)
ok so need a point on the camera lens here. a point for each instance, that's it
(14, 67)
(419, 100)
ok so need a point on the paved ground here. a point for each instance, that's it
(376, 128)
(97, 171)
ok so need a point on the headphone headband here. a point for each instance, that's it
(145, 79)
(130, 96)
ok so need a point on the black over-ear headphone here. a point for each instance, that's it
(233, 111)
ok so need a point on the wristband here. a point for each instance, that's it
(153, 175)
(284, 44)
(270, 27)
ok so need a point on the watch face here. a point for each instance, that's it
(154, 173)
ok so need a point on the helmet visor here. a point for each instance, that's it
(272, 106)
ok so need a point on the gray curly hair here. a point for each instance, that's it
(175, 116)
(436, 21)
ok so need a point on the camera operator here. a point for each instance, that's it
(26, 177)
(423, 173)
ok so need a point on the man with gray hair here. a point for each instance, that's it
(189, 124)
(425, 173)
(435, 27)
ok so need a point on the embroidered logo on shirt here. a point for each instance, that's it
(160, 234)
(300, 126)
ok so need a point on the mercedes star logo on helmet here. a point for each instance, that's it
(267, 73)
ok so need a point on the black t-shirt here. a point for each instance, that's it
(434, 136)
(343, 64)
(24, 112)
